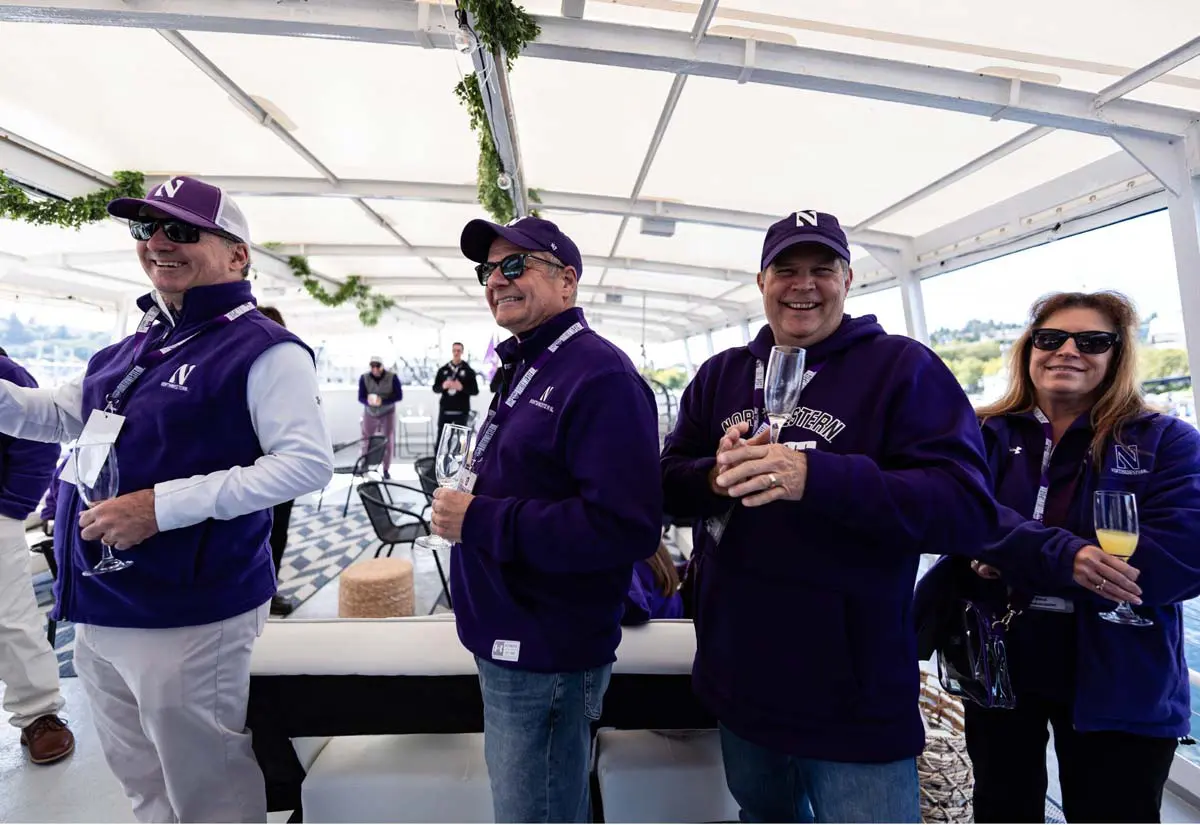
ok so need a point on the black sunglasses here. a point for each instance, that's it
(511, 267)
(176, 231)
(1089, 343)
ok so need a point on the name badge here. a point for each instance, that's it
(92, 447)
(466, 481)
(1052, 604)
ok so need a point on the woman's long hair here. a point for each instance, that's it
(666, 578)
(1119, 394)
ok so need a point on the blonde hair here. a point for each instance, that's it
(1120, 396)
(666, 578)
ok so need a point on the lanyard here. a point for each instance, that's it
(501, 411)
(143, 360)
(1039, 507)
(760, 394)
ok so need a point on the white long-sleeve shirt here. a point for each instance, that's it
(285, 411)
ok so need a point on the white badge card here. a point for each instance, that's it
(93, 446)
(466, 480)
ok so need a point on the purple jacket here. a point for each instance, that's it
(645, 599)
(25, 466)
(567, 499)
(805, 636)
(1133, 680)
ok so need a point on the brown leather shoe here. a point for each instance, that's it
(48, 740)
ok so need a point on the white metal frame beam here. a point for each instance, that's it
(646, 48)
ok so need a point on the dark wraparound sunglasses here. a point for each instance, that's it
(176, 231)
(1089, 343)
(511, 267)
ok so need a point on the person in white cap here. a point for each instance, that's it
(378, 391)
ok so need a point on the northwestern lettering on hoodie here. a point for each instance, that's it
(208, 571)
(1159, 461)
(566, 500)
(25, 466)
(805, 638)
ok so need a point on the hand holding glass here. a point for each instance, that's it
(784, 380)
(96, 480)
(453, 456)
(1116, 521)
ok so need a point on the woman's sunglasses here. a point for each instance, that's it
(511, 267)
(1089, 343)
(176, 231)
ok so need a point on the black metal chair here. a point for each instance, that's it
(362, 467)
(380, 505)
(46, 550)
(426, 474)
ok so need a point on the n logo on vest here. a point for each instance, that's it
(543, 402)
(169, 189)
(1128, 461)
(180, 377)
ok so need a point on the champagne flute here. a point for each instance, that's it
(453, 454)
(1116, 522)
(96, 480)
(784, 380)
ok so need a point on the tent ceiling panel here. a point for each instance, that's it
(810, 150)
(376, 268)
(126, 99)
(713, 246)
(1048, 157)
(659, 14)
(26, 239)
(311, 220)
(585, 128)
(427, 224)
(697, 288)
(364, 109)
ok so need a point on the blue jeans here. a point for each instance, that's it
(537, 740)
(775, 787)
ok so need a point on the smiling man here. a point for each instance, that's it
(216, 418)
(806, 551)
(562, 499)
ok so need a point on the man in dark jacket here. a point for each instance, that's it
(456, 382)
(28, 667)
(806, 550)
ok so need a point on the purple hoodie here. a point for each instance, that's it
(1129, 679)
(25, 466)
(805, 636)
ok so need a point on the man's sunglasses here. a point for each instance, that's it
(1089, 343)
(176, 231)
(511, 267)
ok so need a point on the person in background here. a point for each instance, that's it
(1071, 423)
(28, 666)
(378, 391)
(217, 419)
(564, 498)
(456, 382)
(281, 516)
(806, 550)
(654, 590)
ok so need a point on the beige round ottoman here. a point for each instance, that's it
(376, 589)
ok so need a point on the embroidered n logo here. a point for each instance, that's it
(168, 189)
(1127, 457)
(545, 399)
(181, 375)
(807, 217)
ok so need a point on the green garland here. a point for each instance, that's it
(500, 24)
(371, 305)
(15, 202)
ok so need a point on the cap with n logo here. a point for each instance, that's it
(805, 226)
(190, 200)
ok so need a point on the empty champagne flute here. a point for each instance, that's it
(1116, 522)
(452, 458)
(782, 385)
(96, 480)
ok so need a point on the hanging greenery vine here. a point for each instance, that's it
(371, 305)
(500, 24)
(15, 202)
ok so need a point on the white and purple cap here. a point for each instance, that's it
(535, 234)
(805, 226)
(190, 200)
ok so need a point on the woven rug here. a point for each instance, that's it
(321, 544)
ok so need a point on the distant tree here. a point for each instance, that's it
(1162, 363)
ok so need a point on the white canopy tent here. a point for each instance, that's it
(663, 136)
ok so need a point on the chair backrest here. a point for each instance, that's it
(375, 495)
(376, 447)
(424, 468)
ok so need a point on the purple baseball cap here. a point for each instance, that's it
(805, 226)
(527, 233)
(190, 200)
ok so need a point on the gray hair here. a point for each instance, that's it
(231, 243)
